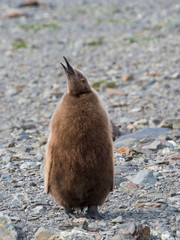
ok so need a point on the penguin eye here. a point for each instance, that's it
(79, 75)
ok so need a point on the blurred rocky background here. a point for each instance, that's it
(130, 52)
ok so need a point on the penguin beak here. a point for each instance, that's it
(68, 69)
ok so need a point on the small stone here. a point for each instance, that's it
(120, 236)
(134, 110)
(156, 145)
(141, 123)
(43, 141)
(7, 231)
(115, 131)
(178, 233)
(43, 234)
(167, 236)
(176, 124)
(12, 13)
(12, 144)
(30, 165)
(150, 133)
(165, 151)
(28, 126)
(143, 232)
(74, 234)
(85, 225)
(147, 205)
(29, 3)
(131, 228)
(175, 75)
(112, 91)
(126, 142)
(123, 150)
(38, 209)
(171, 123)
(127, 78)
(172, 143)
(178, 218)
(144, 177)
(150, 83)
(154, 73)
(129, 186)
(119, 219)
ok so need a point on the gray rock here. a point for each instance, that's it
(74, 234)
(141, 123)
(144, 177)
(131, 228)
(43, 234)
(119, 219)
(120, 236)
(115, 131)
(38, 209)
(173, 123)
(175, 75)
(85, 225)
(151, 133)
(167, 236)
(7, 231)
(129, 142)
(156, 145)
(178, 234)
(30, 165)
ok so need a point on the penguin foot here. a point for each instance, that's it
(69, 212)
(93, 213)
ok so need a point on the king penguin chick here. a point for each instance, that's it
(78, 165)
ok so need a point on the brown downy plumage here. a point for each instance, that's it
(79, 157)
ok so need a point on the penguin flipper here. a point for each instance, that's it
(47, 172)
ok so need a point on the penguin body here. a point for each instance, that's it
(79, 157)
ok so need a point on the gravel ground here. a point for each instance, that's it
(130, 52)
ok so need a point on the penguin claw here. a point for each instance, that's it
(93, 213)
(69, 212)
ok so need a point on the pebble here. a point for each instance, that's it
(29, 165)
(119, 219)
(144, 177)
(7, 231)
(43, 234)
(171, 123)
(74, 234)
(29, 3)
(13, 13)
(167, 236)
(156, 145)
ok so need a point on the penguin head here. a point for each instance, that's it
(76, 80)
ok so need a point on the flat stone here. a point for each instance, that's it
(167, 236)
(119, 219)
(12, 13)
(115, 131)
(171, 123)
(144, 177)
(128, 185)
(7, 231)
(129, 142)
(141, 123)
(156, 145)
(29, 3)
(176, 75)
(150, 133)
(30, 165)
(74, 234)
(43, 234)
